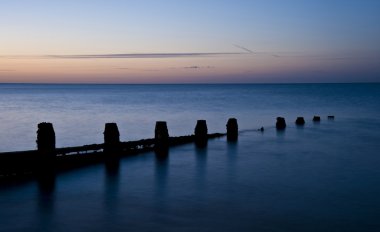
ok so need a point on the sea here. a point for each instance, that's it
(324, 176)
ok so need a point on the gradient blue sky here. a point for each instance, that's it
(167, 41)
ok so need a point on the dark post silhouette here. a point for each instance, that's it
(316, 119)
(46, 148)
(330, 117)
(46, 139)
(232, 129)
(300, 121)
(111, 138)
(201, 133)
(280, 124)
(161, 136)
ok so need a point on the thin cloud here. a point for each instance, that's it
(157, 70)
(141, 55)
(198, 67)
(137, 69)
(7, 70)
(126, 55)
(279, 55)
(333, 57)
(244, 48)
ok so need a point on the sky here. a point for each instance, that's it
(197, 41)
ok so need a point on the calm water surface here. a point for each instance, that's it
(79, 112)
(323, 177)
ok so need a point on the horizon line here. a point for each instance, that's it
(184, 83)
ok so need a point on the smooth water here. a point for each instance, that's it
(79, 112)
(322, 177)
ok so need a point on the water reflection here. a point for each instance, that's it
(232, 152)
(201, 166)
(46, 189)
(112, 182)
(280, 133)
(112, 167)
(46, 199)
(161, 170)
(316, 121)
(300, 127)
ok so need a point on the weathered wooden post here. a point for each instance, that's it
(300, 121)
(45, 138)
(111, 138)
(280, 124)
(201, 133)
(316, 119)
(232, 129)
(161, 136)
(46, 148)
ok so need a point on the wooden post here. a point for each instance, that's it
(316, 119)
(300, 121)
(111, 138)
(280, 124)
(201, 133)
(161, 136)
(45, 162)
(46, 139)
(232, 129)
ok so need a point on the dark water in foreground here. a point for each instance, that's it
(323, 177)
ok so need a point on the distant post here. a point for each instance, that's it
(201, 133)
(111, 138)
(300, 121)
(280, 124)
(232, 129)
(316, 119)
(161, 136)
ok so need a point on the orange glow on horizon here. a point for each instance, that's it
(240, 68)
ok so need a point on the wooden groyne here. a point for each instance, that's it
(48, 158)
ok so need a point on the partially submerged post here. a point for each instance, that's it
(46, 147)
(201, 133)
(280, 124)
(232, 129)
(300, 121)
(330, 117)
(161, 136)
(316, 119)
(111, 138)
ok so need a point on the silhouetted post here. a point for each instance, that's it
(201, 133)
(161, 136)
(300, 121)
(316, 119)
(232, 129)
(111, 138)
(330, 117)
(280, 124)
(46, 148)
(46, 139)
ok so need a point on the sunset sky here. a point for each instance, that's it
(197, 41)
